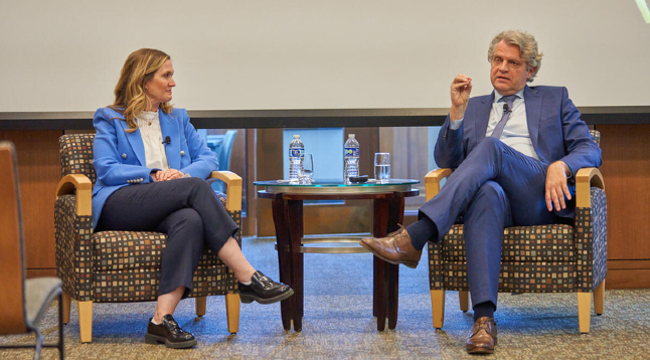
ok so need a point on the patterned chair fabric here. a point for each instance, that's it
(118, 266)
(535, 259)
(543, 258)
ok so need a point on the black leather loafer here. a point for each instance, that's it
(168, 333)
(263, 290)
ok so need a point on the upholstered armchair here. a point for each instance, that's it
(123, 266)
(535, 259)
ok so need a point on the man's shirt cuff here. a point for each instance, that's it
(455, 125)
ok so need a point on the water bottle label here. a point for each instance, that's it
(353, 152)
(296, 153)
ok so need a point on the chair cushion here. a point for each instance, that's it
(523, 244)
(127, 250)
(518, 277)
(134, 250)
(142, 284)
(126, 268)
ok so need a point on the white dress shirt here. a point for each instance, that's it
(154, 149)
(515, 133)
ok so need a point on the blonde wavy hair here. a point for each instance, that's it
(130, 97)
(527, 48)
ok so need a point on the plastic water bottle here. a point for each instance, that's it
(350, 158)
(296, 156)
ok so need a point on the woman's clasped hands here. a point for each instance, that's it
(169, 174)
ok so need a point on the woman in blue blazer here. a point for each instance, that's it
(151, 168)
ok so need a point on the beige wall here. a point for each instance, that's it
(66, 55)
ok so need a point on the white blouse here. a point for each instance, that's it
(154, 149)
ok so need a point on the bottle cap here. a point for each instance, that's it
(296, 136)
(350, 135)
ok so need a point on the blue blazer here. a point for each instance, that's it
(119, 159)
(554, 125)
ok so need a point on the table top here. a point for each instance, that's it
(332, 186)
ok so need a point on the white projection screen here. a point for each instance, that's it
(337, 54)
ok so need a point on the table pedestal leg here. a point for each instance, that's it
(281, 220)
(380, 295)
(287, 216)
(379, 292)
(392, 279)
(297, 260)
(388, 214)
(376, 288)
(395, 217)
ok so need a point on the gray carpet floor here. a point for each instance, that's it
(338, 322)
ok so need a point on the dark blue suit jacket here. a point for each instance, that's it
(554, 124)
(119, 158)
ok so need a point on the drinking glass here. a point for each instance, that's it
(382, 167)
(305, 177)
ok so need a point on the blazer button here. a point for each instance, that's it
(182, 153)
(123, 156)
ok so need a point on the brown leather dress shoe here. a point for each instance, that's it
(484, 336)
(396, 248)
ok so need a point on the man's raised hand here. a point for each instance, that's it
(461, 88)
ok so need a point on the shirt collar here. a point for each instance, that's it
(150, 116)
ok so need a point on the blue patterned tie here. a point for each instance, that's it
(509, 100)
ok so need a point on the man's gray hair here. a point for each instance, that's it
(527, 48)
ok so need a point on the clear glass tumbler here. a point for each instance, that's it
(382, 167)
(307, 174)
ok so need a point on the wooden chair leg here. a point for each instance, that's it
(201, 303)
(463, 299)
(66, 308)
(438, 308)
(584, 311)
(599, 298)
(232, 312)
(85, 320)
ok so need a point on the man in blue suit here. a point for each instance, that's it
(515, 152)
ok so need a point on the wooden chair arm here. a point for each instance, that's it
(84, 187)
(585, 179)
(234, 188)
(432, 181)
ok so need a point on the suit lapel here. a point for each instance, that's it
(482, 116)
(533, 113)
(135, 140)
(169, 127)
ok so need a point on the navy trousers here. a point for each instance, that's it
(493, 188)
(185, 209)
